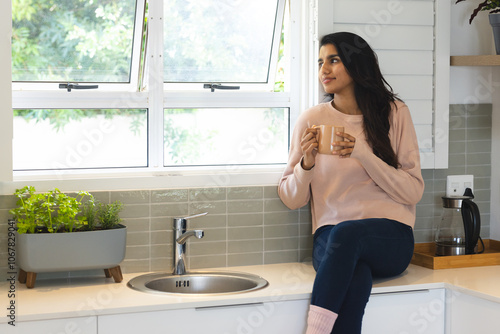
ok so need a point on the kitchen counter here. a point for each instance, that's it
(90, 296)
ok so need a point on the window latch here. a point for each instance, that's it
(213, 87)
(70, 86)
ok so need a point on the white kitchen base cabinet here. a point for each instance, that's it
(261, 318)
(84, 325)
(469, 314)
(421, 311)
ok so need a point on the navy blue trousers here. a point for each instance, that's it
(347, 257)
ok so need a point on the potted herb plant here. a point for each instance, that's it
(59, 232)
(493, 6)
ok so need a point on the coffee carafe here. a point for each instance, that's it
(458, 231)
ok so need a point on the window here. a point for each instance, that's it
(247, 136)
(220, 41)
(75, 41)
(110, 84)
(80, 138)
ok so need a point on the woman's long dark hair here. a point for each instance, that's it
(373, 93)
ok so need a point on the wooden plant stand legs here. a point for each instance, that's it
(115, 272)
(29, 278)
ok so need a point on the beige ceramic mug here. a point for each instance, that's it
(326, 135)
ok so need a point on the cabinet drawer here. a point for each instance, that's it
(471, 314)
(85, 325)
(421, 311)
(271, 317)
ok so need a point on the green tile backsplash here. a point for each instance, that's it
(250, 225)
(245, 226)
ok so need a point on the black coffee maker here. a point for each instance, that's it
(458, 231)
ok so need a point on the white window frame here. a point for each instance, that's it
(297, 99)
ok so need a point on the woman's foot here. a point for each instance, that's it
(320, 320)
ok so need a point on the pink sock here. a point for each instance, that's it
(320, 320)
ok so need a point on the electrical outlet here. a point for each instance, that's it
(456, 184)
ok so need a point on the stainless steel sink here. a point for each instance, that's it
(196, 283)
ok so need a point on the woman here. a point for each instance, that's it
(363, 195)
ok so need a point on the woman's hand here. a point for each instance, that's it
(347, 145)
(309, 146)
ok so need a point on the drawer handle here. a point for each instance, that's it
(205, 308)
(400, 292)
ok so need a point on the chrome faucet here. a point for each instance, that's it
(180, 238)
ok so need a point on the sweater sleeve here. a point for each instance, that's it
(294, 185)
(404, 185)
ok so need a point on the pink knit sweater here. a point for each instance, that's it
(362, 186)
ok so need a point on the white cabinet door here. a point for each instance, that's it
(470, 314)
(411, 312)
(86, 325)
(261, 318)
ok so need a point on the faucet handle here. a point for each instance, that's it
(195, 216)
(181, 222)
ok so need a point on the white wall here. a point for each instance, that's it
(478, 85)
(467, 83)
(495, 162)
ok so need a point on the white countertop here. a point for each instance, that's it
(80, 297)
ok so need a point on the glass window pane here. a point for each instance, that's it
(218, 41)
(72, 40)
(79, 138)
(221, 136)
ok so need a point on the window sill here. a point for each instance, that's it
(135, 179)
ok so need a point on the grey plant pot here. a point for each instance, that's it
(52, 252)
(495, 25)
